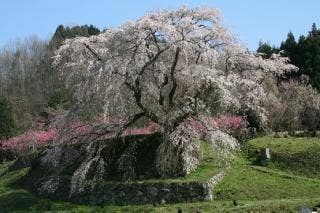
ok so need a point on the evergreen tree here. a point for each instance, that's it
(63, 33)
(290, 49)
(311, 58)
(289, 46)
(7, 124)
(304, 53)
(266, 49)
(92, 30)
(314, 30)
(58, 37)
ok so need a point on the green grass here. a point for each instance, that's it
(209, 166)
(255, 188)
(291, 144)
(299, 156)
(247, 182)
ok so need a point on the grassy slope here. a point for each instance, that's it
(247, 182)
(291, 144)
(299, 156)
(253, 187)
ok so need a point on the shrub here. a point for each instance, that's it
(33, 139)
(254, 121)
(222, 142)
(310, 113)
(297, 108)
(29, 140)
(60, 98)
(234, 125)
(7, 124)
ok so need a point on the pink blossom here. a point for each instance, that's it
(43, 137)
(147, 130)
(228, 123)
(33, 139)
(29, 139)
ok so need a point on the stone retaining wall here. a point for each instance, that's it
(147, 193)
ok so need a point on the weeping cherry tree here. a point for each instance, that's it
(167, 66)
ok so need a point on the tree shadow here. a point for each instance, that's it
(21, 200)
(18, 196)
(15, 195)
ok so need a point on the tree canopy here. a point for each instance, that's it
(167, 66)
(62, 33)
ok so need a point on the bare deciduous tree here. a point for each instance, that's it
(21, 80)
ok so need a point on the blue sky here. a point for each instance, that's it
(251, 20)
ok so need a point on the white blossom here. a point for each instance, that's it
(167, 66)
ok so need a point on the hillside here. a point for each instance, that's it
(247, 186)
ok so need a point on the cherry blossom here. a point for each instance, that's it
(167, 66)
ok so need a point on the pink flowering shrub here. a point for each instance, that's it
(43, 137)
(235, 125)
(231, 124)
(198, 128)
(147, 130)
(34, 139)
(29, 140)
(116, 120)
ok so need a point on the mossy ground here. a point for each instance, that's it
(251, 187)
